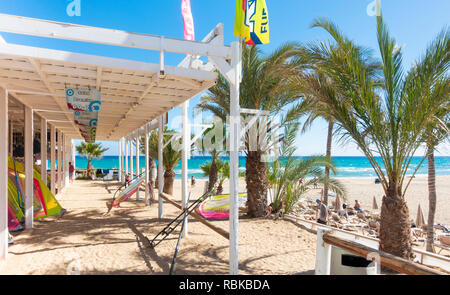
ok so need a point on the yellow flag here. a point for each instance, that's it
(252, 21)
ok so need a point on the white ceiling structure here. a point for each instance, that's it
(133, 92)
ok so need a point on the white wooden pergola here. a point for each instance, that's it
(135, 98)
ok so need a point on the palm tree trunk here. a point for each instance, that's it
(328, 155)
(395, 227)
(169, 177)
(257, 184)
(213, 173)
(89, 172)
(431, 199)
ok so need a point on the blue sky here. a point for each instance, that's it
(414, 23)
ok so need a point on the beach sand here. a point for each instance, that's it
(85, 241)
(364, 189)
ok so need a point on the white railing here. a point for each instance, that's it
(421, 256)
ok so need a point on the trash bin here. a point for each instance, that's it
(345, 263)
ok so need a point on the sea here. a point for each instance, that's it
(347, 167)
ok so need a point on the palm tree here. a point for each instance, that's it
(211, 145)
(286, 170)
(265, 86)
(171, 156)
(222, 170)
(316, 86)
(436, 136)
(90, 151)
(386, 118)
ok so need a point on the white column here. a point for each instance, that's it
(323, 254)
(3, 174)
(44, 150)
(186, 138)
(147, 167)
(130, 146)
(53, 159)
(160, 165)
(72, 150)
(60, 174)
(126, 156)
(67, 156)
(11, 137)
(120, 160)
(234, 157)
(29, 162)
(137, 161)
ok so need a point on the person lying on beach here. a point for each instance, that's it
(323, 212)
(357, 206)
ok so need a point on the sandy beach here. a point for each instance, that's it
(86, 241)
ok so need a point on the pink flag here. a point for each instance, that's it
(187, 20)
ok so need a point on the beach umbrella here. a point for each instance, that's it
(374, 204)
(420, 220)
(338, 203)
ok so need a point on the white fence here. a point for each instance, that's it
(422, 257)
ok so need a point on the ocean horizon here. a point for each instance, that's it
(347, 166)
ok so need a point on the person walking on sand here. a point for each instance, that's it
(71, 171)
(323, 212)
(192, 180)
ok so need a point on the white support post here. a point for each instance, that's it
(130, 146)
(147, 167)
(234, 156)
(53, 159)
(11, 137)
(137, 162)
(186, 140)
(160, 165)
(60, 177)
(120, 160)
(3, 175)
(44, 150)
(66, 159)
(323, 254)
(72, 149)
(29, 162)
(126, 157)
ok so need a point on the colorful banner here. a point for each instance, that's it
(188, 20)
(83, 99)
(252, 21)
(86, 104)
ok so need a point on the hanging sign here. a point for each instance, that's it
(83, 99)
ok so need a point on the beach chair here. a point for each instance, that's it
(442, 242)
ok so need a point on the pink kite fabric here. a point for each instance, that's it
(13, 223)
(218, 207)
(117, 202)
(188, 20)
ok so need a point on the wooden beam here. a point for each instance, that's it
(217, 229)
(393, 262)
(58, 30)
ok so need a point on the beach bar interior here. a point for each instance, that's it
(135, 98)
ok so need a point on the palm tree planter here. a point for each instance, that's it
(385, 117)
(90, 151)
